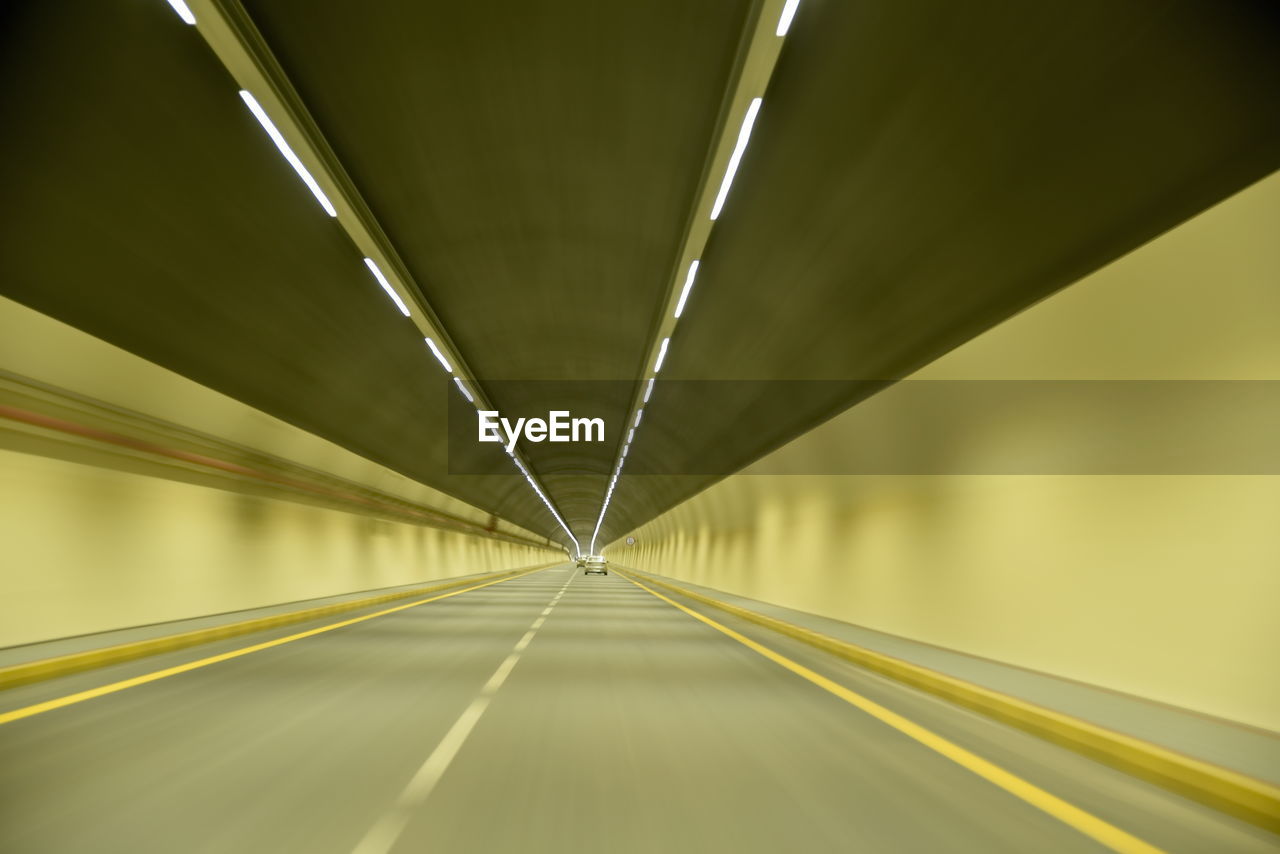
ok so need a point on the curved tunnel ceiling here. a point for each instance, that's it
(919, 172)
(534, 164)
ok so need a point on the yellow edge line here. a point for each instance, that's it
(103, 690)
(64, 665)
(1228, 791)
(1086, 823)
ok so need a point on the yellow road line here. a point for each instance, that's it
(91, 659)
(1086, 823)
(103, 690)
(1227, 791)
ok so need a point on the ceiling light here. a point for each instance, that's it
(688, 286)
(788, 12)
(648, 391)
(743, 135)
(638, 414)
(183, 12)
(438, 354)
(534, 485)
(386, 286)
(662, 354)
(270, 128)
(463, 389)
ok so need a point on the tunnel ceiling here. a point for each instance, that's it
(920, 171)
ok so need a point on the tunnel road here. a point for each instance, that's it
(548, 713)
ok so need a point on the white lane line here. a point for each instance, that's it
(386, 831)
(504, 670)
(433, 769)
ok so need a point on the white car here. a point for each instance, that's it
(593, 564)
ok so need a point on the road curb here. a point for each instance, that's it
(77, 662)
(1243, 797)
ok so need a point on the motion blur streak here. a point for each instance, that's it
(962, 479)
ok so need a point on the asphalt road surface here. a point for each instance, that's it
(554, 712)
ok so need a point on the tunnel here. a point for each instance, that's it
(639, 426)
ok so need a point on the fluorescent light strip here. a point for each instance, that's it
(270, 128)
(183, 12)
(626, 449)
(386, 286)
(608, 497)
(463, 389)
(438, 354)
(289, 155)
(743, 135)
(788, 12)
(534, 484)
(688, 286)
(662, 354)
(279, 140)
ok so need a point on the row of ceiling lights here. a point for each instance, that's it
(184, 12)
(744, 134)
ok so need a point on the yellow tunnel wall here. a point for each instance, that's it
(89, 548)
(1160, 585)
